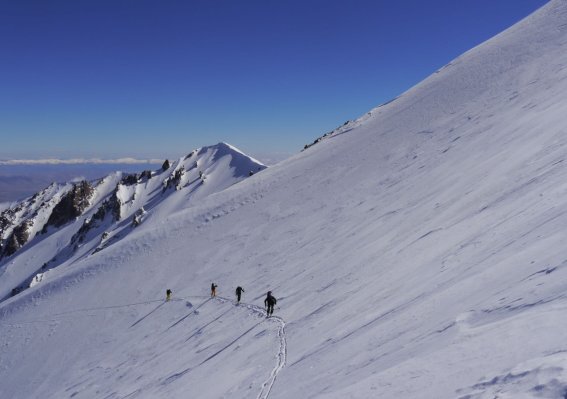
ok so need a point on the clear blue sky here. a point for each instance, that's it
(159, 78)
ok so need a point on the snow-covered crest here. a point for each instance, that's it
(418, 255)
(70, 221)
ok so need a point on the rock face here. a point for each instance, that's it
(71, 205)
(17, 239)
(344, 128)
(6, 222)
(129, 180)
(175, 179)
(112, 204)
(138, 217)
(146, 175)
(166, 165)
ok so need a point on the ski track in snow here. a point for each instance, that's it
(281, 356)
(282, 350)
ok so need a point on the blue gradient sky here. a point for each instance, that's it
(159, 78)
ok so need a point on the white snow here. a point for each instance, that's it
(222, 165)
(417, 254)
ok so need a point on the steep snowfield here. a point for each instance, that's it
(416, 253)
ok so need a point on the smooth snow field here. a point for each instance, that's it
(417, 252)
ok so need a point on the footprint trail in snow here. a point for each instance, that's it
(282, 350)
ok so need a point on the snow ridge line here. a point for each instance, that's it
(282, 351)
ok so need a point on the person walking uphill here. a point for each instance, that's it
(239, 291)
(270, 302)
(213, 290)
(167, 295)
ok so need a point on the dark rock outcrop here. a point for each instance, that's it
(100, 213)
(17, 239)
(129, 180)
(6, 220)
(71, 205)
(138, 217)
(80, 235)
(113, 205)
(174, 179)
(341, 129)
(146, 175)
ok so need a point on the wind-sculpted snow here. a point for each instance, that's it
(544, 377)
(418, 252)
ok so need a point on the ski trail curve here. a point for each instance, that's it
(268, 384)
(282, 357)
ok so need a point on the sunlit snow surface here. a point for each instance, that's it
(419, 254)
(141, 196)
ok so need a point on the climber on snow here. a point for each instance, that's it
(269, 303)
(213, 290)
(239, 291)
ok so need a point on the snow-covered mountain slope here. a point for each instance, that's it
(65, 223)
(415, 254)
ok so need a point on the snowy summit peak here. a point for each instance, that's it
(227, 149)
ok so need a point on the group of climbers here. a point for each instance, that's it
(269, 302)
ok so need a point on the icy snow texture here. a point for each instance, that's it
(419, 254)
